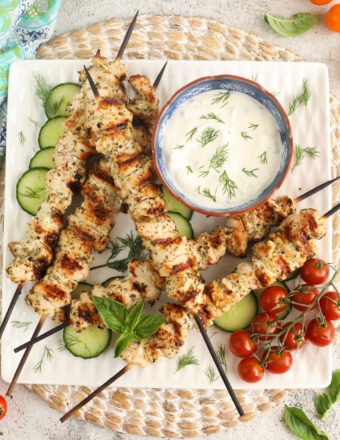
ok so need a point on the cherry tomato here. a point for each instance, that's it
(263, 323)
(3, 407)
(279, 363)
(330, 305)
(295, 338)
(321, 2)
(314, 271)
(241, 345)
(271, 297)
(307, 295)
(333, 18)
(250, 370)
(320, 333)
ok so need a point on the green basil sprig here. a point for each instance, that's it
(302, 426)
(324, 401)
(130, 324)
(291, 27)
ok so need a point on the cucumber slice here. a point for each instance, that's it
(31, 189)
(50, 132)
(58, 99)
(257, 293)
(292, 275)
(87, 344)
(239, 316)
(43, 158)
(182, 224)
(80, 288)
(174, 205)
(108, 281)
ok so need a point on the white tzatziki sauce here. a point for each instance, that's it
(221, 148)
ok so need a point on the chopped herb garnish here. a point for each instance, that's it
(255, 77)
(32, 193)
(190, 134)
(245, 135)
(263, 157)
(253, 126)
(250, 173)
(222, 98)
(211, 374)
(228, 185)
(203, 173)
(300, 154)
(303, 98)
(207, 193)
(212, 116)
(52, 108)
(21, 137)
(42, 89)
(198, 189)
(21, 324)
(47, 354)
(208, 135)
(187, 359)
(219, 157)
(179, 147)
(189, 169)
(36, 123)
(221, 349)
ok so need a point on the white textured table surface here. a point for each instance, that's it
(29, 417)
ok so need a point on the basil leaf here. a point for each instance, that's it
(291, 27)
(325, 400)
(147, 326)
(122, 343)
(113, 313)
(300, 425)
(133, 316)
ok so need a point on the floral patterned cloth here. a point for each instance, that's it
(24, 24)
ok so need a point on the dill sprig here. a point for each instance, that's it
(203, 173)
(228, 185)
(21, 137)
(47, 354)
(52, 108)
(245, 135)
(222, 98)
(189, 169)
(21, 324)
(221, 349)
(300, 153)
(212, 115)
(250, 173)
(36, 123)
(42, 89)
(211, 374)
(207, 193)
(219, 157)
(190, 134)
(263, 158)
(187, 359)
(255, 77)
(32, 193)
(179, 147)
(253, 126)
(303, 98)
(208, 135)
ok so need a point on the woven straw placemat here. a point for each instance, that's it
(174, 412)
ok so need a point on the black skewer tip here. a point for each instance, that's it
(42, 336)
(10, 308)
(92, 84)
(159, 77)
(315, 190)
(219, 366)
(331, 211)
(127, 37)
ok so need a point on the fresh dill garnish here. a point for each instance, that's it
(253, 126)
(53, 107)
(42, 89)
(208, 135)
(300, 153)
(198, 189)
(203, 173)
(32, 193)
(245, 135)
(212, 115)
(136, 251)
(255, 77)
(189, 169)
(21, 137)
(36, 123)
(190, 134)
(71, 340)
(207, 193)
(211, 374)
(275, 92)
(47, 354)
(303, 98)
(228, 185)
(219, 157)
(187, 359)
(250, 173)
(179, 147)
(263, 157)
(222, 98)
(221, 349)
(21, 324)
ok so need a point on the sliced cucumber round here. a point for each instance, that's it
(50, 132)
(58, 98)
(239, 316)
(174, 205)
(31, 189)
(182, 224)
(257, 293)
(292, 275)
(87, 344)
(108, 281)
(43, 158)
(81, 288)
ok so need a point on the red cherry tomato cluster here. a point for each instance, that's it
(276, 340)
(333, 15)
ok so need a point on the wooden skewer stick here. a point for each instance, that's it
(10, 308)
(97, 391)
(315, 190)
(331, 212)
(159, 77)
(41, 337)
(24, 357)
(126, 38)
